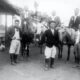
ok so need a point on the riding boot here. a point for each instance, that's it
(58, 56)
(15, 58)
(52, 63)
(78, 60)
(47, 64)
(75, 59)
(27, 51)
(12, 58)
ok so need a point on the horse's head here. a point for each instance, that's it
(62, 34)
(27, 26)
(67, 35)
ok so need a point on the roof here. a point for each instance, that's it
(5, 7)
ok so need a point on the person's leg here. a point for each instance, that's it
(52, 63)
(78, 54)
(47, 57)
(12, 58)
(28, 50)
(15, 58)
(12, 51)
(17, 51)
(53, 54)
(75, 53)
(47, 60)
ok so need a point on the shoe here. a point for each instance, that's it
(52, 63)
(52, 66)
(12, 63)
(46, 67)
(47, 64)
(15, 58)
(15, 62)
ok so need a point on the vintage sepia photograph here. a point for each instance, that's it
(39, 39)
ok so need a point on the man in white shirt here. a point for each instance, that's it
(15, 43)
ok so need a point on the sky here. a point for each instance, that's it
(64, 8)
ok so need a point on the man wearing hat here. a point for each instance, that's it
(56, 19)
(15, 35)
(75, 20)
(50, 38)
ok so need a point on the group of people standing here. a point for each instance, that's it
(50, 37)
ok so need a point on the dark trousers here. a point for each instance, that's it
(49, 62)
(13, 58)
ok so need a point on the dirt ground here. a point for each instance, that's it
(33, 68)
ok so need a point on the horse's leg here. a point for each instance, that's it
(75, 52)
(68, 57)
(61, 50)
(78, 53)
(27, 50)
(22, 49)
(60, 47)
(41, 49)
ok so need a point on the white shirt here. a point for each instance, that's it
(16, 35)
(75, 18)
(52, 30)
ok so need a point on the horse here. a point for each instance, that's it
(27, 36)
(41, 28)
(66, 37)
